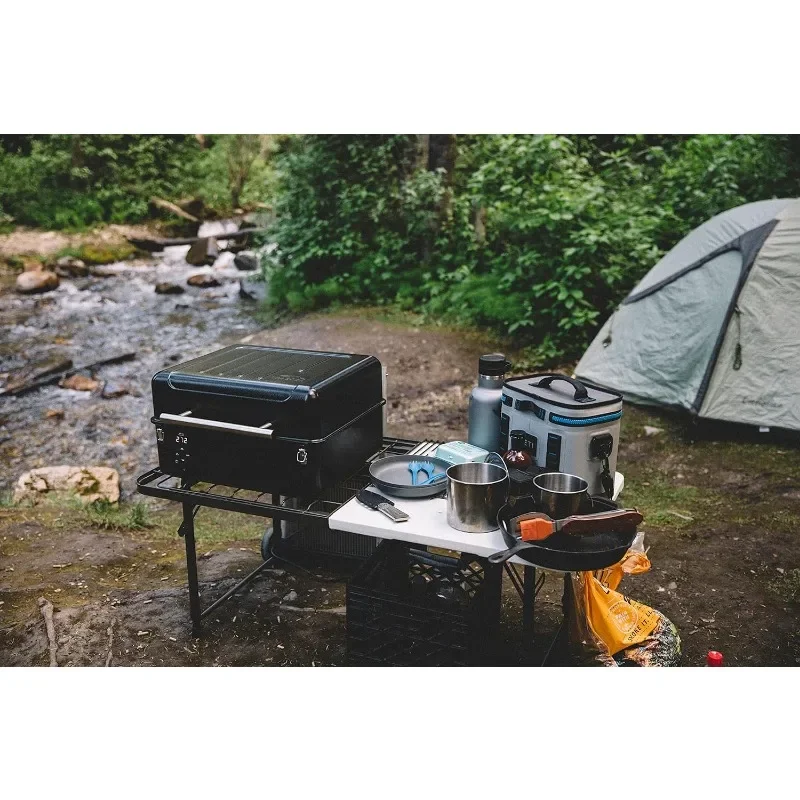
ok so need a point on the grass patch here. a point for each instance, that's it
(664, 504)
(787, 586)
(113, 517)
(212, 526)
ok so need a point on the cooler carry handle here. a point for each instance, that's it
(581, 392)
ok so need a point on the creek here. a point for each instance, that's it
(87, 319)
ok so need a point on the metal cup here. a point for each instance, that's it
(475, 493)
(561, 495)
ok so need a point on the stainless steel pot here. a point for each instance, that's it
(561, 495)
(475, 493)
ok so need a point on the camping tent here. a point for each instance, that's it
(714, 327)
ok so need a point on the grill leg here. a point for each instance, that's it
(187, 529)
(528, 601)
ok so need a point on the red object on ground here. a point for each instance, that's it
(714, 659)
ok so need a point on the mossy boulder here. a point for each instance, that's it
(105, 253)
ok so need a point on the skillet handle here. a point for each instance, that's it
(504, 555)
(607, 520)
(500, 558)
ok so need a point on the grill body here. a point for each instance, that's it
(268, 419)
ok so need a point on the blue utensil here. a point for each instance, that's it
(433, 479)
(415, 467)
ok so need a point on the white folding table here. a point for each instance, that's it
(427, 526)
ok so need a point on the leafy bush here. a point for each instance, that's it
(74, 181)
(236, 171)
(538, 237)
(560, 242)
(65, 181)
(352, 218)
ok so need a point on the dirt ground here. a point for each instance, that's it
(721, 519)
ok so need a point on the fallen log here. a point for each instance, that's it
(55, 377)
(46, 608)
(110, 632)
(154, 245)
(166, 205)
(340, 610)
(34, 372)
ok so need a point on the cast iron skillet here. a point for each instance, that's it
(391, 475)
(564, 552)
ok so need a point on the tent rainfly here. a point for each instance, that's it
(714, 327)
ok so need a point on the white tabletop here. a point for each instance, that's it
(427, 525)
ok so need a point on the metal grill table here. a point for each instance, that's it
(192, 497)
(338, 509)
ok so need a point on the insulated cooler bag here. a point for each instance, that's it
(565, 424)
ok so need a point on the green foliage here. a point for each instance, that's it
(353, 219)
(75, 181)
(538, 237)
(236, 171)
(66, 181)
(560, 241)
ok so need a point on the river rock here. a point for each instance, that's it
(89, 484)
(202, 280)
(111, 390)
(37, 282)
(203, 252)
(80, 383)
(169, 288)
(237, 245)
(225, 260)
(71, 267)
(246, 262)
(195, 206)
(253, 290)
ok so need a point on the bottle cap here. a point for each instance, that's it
(714, 659)
(493, 364)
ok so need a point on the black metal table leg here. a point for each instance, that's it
(187, 530)
(528, 603)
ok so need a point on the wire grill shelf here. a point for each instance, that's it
(156, 483)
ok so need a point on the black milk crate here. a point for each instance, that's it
(395, 618)
(315, 537)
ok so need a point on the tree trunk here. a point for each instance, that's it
(442, 156)
(438, 151)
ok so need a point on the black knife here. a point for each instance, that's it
(380, 503)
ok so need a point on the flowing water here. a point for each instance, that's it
(87, 319)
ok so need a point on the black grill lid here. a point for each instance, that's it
(250, 368)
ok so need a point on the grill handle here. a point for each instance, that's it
(265, 431)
